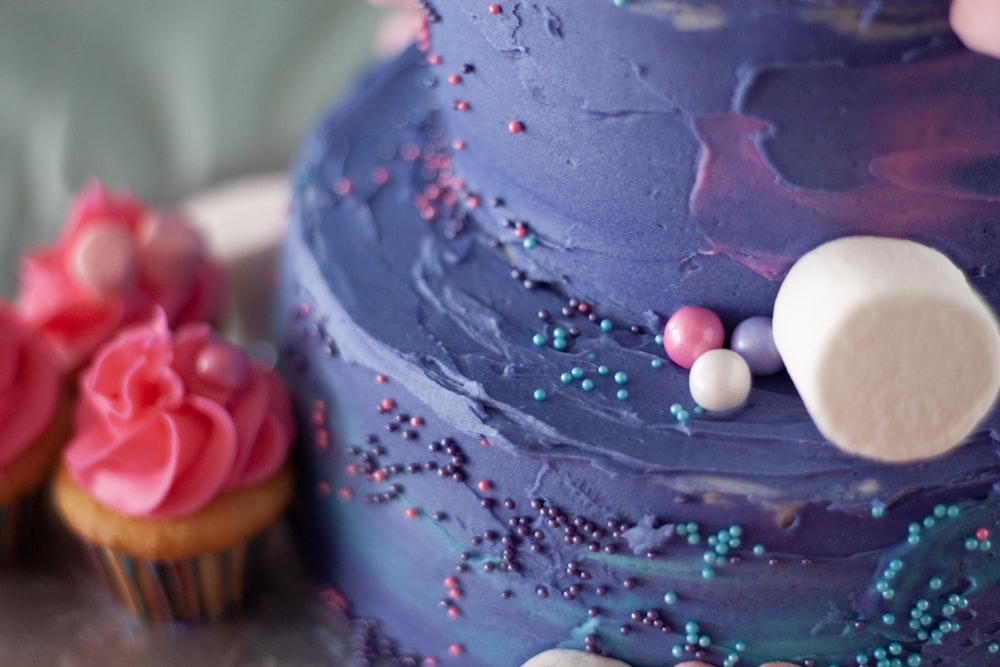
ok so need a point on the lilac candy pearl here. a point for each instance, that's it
(753, 340)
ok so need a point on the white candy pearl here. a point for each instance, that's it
(104, 259)
(720, 380)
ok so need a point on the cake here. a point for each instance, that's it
(176, 468)
(499, 460)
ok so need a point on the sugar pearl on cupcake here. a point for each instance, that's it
(720, 380)
(753, 340)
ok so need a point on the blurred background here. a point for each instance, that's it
(161, 98)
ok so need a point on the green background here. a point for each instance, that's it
(161, 97)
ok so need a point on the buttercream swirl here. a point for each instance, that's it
(167, 421)
(115, 260)
(30, 383)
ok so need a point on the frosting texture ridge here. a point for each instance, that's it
(167, 421)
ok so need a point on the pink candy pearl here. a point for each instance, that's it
(690, 332)
(223, 365)
(103, 258)
(170, 249)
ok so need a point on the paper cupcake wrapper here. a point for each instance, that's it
(189, 589)
(19, 523)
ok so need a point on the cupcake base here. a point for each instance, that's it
(181, 590)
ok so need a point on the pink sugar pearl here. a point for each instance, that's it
(223, 365)
(691, 332)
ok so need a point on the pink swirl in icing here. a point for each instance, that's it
(167, 421)
(105, 271)
(30, 382)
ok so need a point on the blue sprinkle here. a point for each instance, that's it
(538, 339)
(675, 408)
(670, 597)
(707, 573)
(577, 372)
(658, 339)
(698, 410)
(621, 377)
(540, 395)
(566, 378)
(622, 394)
(740, 646)
(993, 647)
(878, 511)
(888, 618)
(678, 650)
(622, 3)
(587, 384)
(607, 325)
(692, 627)
(758, 550)
(603, 370)
(683, 416)
(940, 511)
(656, 363)
(560, 344)
(560, 332)
(913, 660)
(530, 243)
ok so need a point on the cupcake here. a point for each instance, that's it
(177, 466)
(115, 261)
(34, 424)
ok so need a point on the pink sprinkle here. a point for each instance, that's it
(351, 469)
(515, 127)
(454, 612)
(485, 485)
(473, 201)
(690, 332)
(346, 494)
(343, 187)
(323, 488)
(434, 59)
(456, 649)
(451, 582)
(380, 176)
(428, 213)
(416, 422)
(458, 144)
(462, 105)
(378, 476)
(521, 231)
(982, 534)
(412, 512)
(387, 404)
(322, 439)
(455, 592)
(429, 662)
(484, 442)
(495, 9)
(381, 379)
(454, 79)
(410, 152)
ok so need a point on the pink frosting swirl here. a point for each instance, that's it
(114, 262)
(30, 385)
(167, 421)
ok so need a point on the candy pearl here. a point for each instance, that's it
(223, 365)
(753, 339)
(690, 332)
(170, 250)
(104, 259)
(720, 380)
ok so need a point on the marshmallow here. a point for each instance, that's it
(561, 657)
(977, 24)
(893, 353)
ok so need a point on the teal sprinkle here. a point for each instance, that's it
(735, 531)
(675, 408)
(889, 575)
(940, 511)
(704, 641)
(758, 550)
(670, 597)
(621, 377)
(922, 636)
(882, 585)
(712, 540)
(591, 356)
(707, 573)
(935, 583)
(577, 372)
(656, 363)
(735, 543)
(538, 339)
(731, 660)
(683, 416)
(936, 636)
(691, 639)
(926, 620)
(953, 511)
(915, 528)
(861, 658)
(945, 626)
(698, 410)
(587, 384)
(622, 394)
(895, 648)
(708, 557)
(560, 332)
(985, 545)
(658, 339)
(560, 344)
(914, 624)
(694, 538)
(916, 613)
(888, 618)
(895, 565)
(913, 660)
(723, 535)
(888, 595)
(622, 3)
(607, 325)
(929, 522)
(923, 605)
(740, 646)
(879, 653)
(540, 395)
(530, 243)
(913, 540)
(993, 647)
(720, 561)
(947, 610)
(692, 527)
(566, 378)
(692, 628)
(722, 549)
(682, 529)
(603, 370)
(678, 650)
(971, 544)
(878, 511)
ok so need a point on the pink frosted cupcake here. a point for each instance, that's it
(115, 261)
(177, 466)
(34, 424)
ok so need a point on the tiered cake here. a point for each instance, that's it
(486, 241)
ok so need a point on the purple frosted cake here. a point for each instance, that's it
(487, 240)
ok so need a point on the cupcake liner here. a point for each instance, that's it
(19, 526)
(188, 589)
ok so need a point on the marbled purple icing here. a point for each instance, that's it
(667, 131)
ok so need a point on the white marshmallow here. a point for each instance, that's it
(894, 354)
(977, 24)
(561, 657)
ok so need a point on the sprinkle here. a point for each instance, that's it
(412, 512)
(656, 363)
(603, 370)
(538, 339)
(434, 59)
(560, 332)
(566, 378)
(462, 105)
(530, 243)
(540, 395)
(560, 344)
(577, 372)
(485, 485)
(587, 384)
(670, 597)
(621, 377)
(495, 9)
(454, 79)
(456, 649)
(458, 144)
(607, 325)
(622, 394)
(515, 127)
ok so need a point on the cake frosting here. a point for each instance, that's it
(30, 387)
(115, 261)
(168, 421)
(486, 242)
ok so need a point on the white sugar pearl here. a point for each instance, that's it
(720, 380)
(561, 657)
(103, 258)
